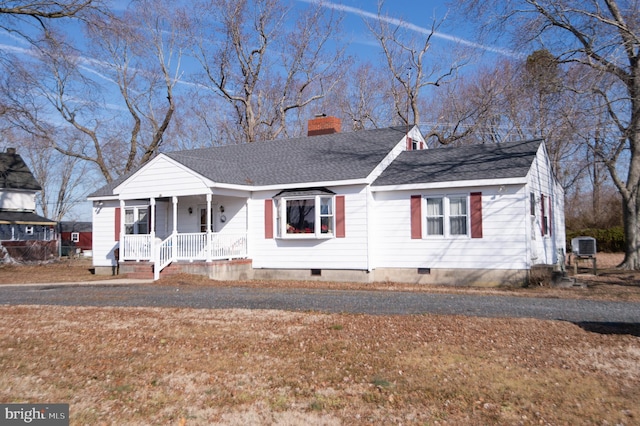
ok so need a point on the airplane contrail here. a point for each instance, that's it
(413, 27)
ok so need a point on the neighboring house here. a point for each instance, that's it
(20, 226)
(368, 206)
(76, 237)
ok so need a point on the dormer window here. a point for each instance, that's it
(414, 144)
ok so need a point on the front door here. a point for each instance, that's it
(203, 220)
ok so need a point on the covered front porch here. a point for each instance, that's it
(196, 228)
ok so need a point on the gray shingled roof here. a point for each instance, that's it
(14, 173)
(23, 217)
(473, 162)
(338, 156)
(69, 226)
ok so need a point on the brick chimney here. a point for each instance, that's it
(323, 125)
(11, 150)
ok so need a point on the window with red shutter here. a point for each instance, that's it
(268, 219)
(476, 215)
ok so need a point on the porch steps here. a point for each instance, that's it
(234, 269)
(144, 270)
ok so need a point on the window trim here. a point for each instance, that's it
(281, 213)
(75, 237)
(446, 216)
(136, 219)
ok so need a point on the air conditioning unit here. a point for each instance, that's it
(583, 246)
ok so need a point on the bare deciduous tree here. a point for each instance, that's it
(412, 67)
(45, 9)
(602, 38)
(138, 55)
(61, 179)
(263, 71)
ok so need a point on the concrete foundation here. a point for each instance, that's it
(420, 276)
(242, 270)
(453, 277)
(224, 270)
(105, 270)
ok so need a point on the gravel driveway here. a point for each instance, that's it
(348, 301)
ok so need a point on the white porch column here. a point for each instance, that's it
(155, 252)
(152, 218)
(122, 216)
(122, 242)
(174, 200)
(209, 236)
(174, 233)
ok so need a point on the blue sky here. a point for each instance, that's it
(415, 16)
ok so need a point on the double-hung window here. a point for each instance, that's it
(447, 215)
(306, 217)
(458, 217)
(435, 216)
(136, 220)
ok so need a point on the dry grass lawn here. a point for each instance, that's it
(139, 366)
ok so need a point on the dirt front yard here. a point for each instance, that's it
(139, 366)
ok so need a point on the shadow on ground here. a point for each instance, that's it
(632, 329)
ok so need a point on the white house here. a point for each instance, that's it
(367, 206)
(18, 189)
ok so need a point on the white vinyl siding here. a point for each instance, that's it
(104, 237)
(502, 246)
(331, 253)
(17, 200)
(546, 236)
(152, 181)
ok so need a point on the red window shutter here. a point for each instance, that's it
(550, 217)
(409, 143)
(268, 219)
(117, 224)
(340, 217)
(476, 215)
(543, 223)
(416, 217)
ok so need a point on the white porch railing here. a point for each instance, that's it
(191, 246)
(228, 246)
(136, 247)
(188, 246)
(164, 257)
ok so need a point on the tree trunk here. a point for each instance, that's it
(630, 218)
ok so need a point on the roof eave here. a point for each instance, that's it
(450, 184)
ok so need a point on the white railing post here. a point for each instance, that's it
(209, 226)
(157, 259)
